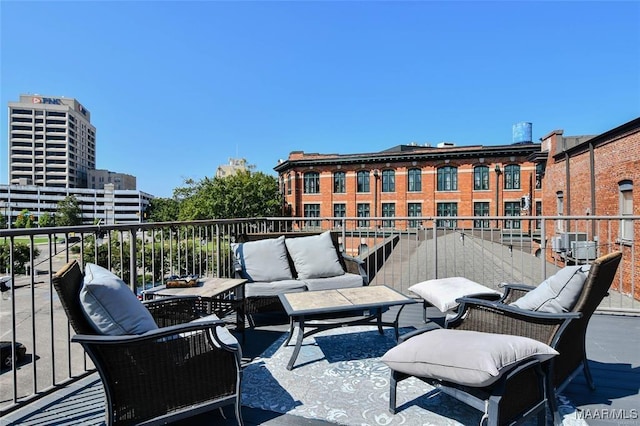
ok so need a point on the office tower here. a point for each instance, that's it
(51, 142)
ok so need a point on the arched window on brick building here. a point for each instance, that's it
(560, 210)
(311, 182)
(625, 189)
(363, 181)
(448, 178)
(415, 180)
(339, 183)
(388, 181)
(512, 176)
(480, 178)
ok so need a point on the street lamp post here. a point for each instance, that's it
(376, 176)
(498, 173)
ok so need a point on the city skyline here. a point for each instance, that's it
(176, 89)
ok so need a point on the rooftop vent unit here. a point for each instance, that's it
(446, 144)
(562, 243)
(583, 250)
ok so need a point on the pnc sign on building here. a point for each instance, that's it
(50, 101)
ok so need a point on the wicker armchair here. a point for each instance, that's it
(568, 338)
(513, 398)
(176, 371)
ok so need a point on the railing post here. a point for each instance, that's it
(543, 248)
(435, 249)
(218, 257)
(132, 260)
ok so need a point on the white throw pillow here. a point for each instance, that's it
(110, 305)
(443, 292)
(314, 256)
(264, 260)
(469, 358)
(558, 293)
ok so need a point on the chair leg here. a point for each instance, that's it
(542, 416)
(238, 412)
(587, 374)
(392, 392)
(552, 400)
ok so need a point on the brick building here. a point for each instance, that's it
(594, 176)
(561, 176)
(413, 181)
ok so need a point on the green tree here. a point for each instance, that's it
(46, 220)
(100, 255)
(242, 195)
(24, 220)
(69, 212)
(163, 210)
(21, 256)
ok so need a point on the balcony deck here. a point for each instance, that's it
(613, 348)
(399, 258)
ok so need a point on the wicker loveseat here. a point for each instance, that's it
(277, 263)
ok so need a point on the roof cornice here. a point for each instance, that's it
(418, 154)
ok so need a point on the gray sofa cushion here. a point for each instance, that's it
(273, 288)
(469, 358)
(110, 306)
(558, 293)
(346, 280)
(314, 256)
(264, 260)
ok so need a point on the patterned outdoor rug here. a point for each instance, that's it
(339, 378)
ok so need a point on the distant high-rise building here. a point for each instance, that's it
(52, 142)
(97, 179)
(235, 165)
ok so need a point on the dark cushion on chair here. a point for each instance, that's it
(465, 357)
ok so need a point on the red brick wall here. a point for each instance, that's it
(614, 160)
(465, 196)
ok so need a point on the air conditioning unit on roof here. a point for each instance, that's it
(562, 242)
(583, 250)
(556, 244)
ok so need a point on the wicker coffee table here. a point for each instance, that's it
(326, 309)
(220, 295)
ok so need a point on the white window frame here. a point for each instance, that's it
(625, 189)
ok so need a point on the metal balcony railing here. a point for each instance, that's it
(397, 251)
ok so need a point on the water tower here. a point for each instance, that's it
(522, 132)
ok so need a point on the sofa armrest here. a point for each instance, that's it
(354, 265)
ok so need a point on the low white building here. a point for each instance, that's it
(109, 205)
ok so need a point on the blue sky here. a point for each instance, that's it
(177, 88)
